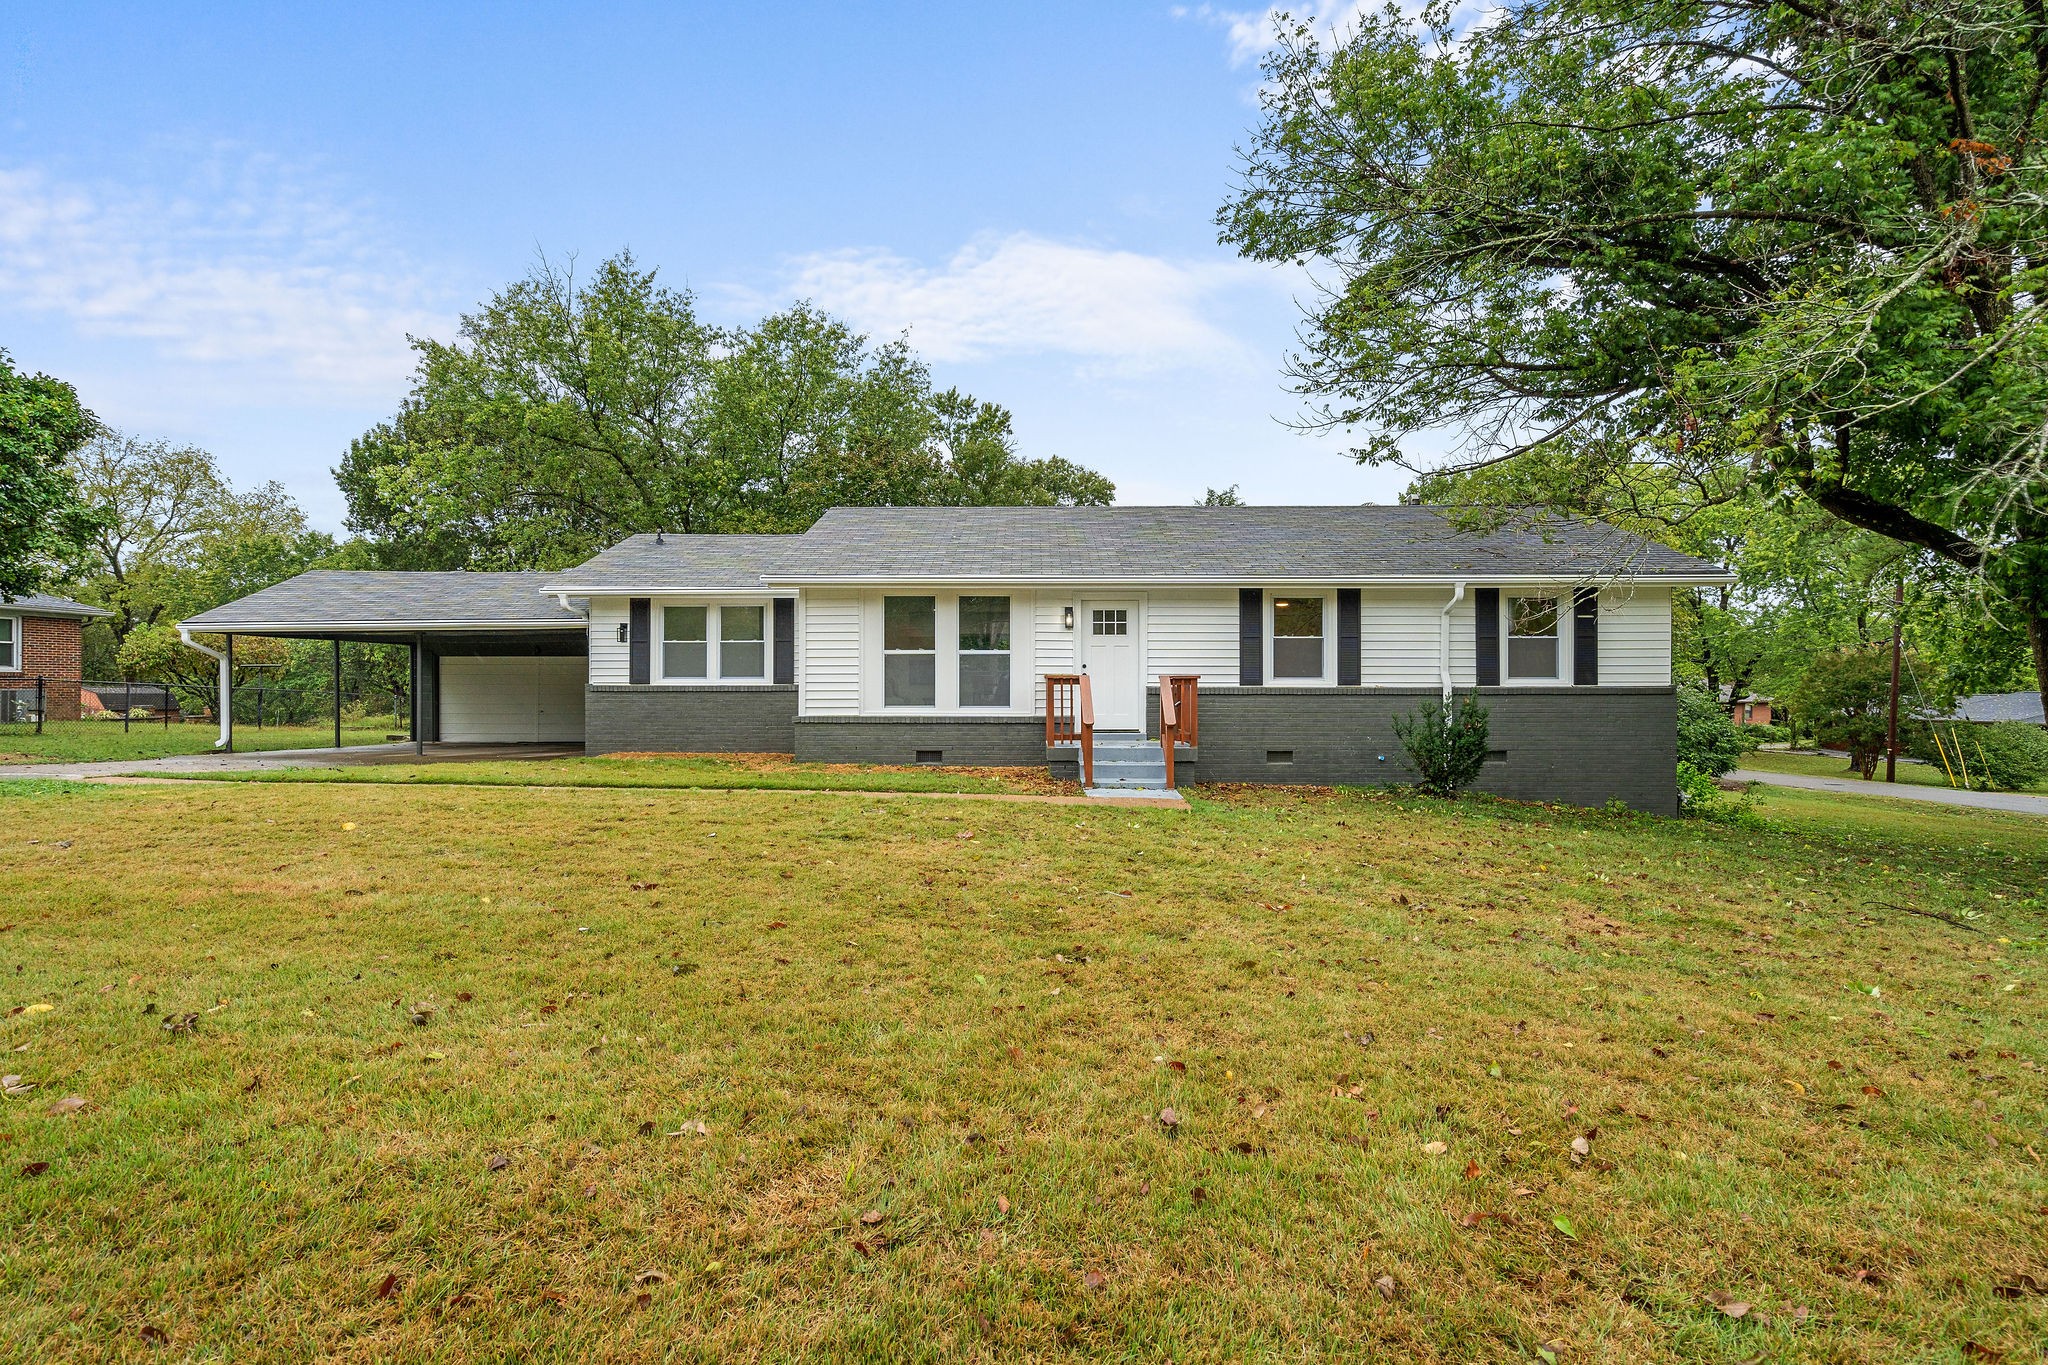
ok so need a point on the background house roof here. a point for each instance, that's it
(41, 604)
(1134, 543)
(357, 600)
(700, 563)
(1994, 706)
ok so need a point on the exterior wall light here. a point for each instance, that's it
(623, 631)
(1067, 616)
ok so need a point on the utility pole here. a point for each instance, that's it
(1891, 729)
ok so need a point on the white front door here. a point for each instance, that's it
(1109, 656)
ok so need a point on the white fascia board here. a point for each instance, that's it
(647, 590)
(392, 627)
(1245, 580)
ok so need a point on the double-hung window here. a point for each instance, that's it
(700, 642)
(10, 644)
(743, 643)
(984, 651)
(1532, 638)
(910, 658)
(1297, 638)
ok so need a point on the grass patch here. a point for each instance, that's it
(929, 1045)
(743, 772)
(1821, 765)
(104, 741)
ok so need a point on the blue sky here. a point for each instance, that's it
(221, 221)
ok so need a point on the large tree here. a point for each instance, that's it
(574, 412)
(1789, 243)
(43, 521)
(174, 537)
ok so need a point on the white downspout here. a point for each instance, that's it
(226, 688)
(1444, 637)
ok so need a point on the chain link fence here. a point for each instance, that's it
(82, 719)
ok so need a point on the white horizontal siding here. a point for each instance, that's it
(1052, 644)
(1401, 637)
(511, 699)
(610, 660)
(830, 646)
(1192, 632)
(1635, 636)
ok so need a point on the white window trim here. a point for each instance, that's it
(1328, 677)
(713, 613)
(19, 646)
(946, 652)
(1565, 614)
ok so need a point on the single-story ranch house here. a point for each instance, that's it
(949, 634)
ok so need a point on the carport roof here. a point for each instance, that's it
(368, 602)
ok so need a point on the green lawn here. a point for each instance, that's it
(1820, 765)
(751, 1075)
(94, 741)
(722, 771)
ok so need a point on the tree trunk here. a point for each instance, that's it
(2037, 635)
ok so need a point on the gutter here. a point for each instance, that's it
(226, 684)
(1444, 637)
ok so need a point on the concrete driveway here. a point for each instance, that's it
(2019, 803)
(362, 755)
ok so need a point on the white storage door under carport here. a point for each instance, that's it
(497, 699)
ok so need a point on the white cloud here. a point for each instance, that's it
(239, 264)
(1026, 294)
(1250, 33)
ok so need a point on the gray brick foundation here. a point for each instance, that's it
(994, 741)
(1581, 746)
(752, 719)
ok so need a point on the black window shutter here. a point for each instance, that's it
(1347, 637)
(1251, 636)
(1586, 637)
(639, 640)
(785, 639)
(1486, 635)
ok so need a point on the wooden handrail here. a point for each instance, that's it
(1177, 717)
(1070, 717)
(1087, 732)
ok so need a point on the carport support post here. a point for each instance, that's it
(337, 691)
(227, 698)
(419, 648)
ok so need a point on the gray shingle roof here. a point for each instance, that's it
(42, 604)
(1223, 543)
(328, 599)
(703, 563)
(1994, 706)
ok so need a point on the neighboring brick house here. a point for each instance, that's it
(42, 637)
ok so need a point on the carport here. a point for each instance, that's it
(492, 659)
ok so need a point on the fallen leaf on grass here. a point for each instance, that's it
(500, 1161)
(35, 1167)
(1168, 1119)
(464, 996)
(152, 1335)
(70, 1104)
(871, 1217)
(40, 1007)
(1973, 1350)
(2019, 1286)
(1733, 1307)
(647, 1128)
(1873, 1090)
(1386, 1286)
(1002, 1204)
(1564, 1225)
(387, 1286)
(647, 1277)
(15, 1085)
(1471, 1170)
(1436, 1148)
(1581, 1148)
(1094, 1279)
